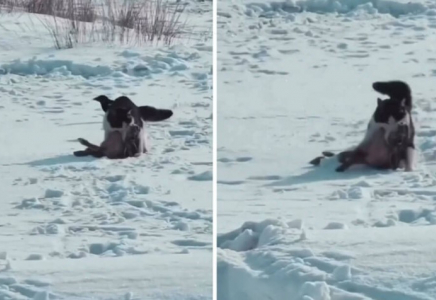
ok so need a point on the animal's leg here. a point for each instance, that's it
(395, 160)
(410, 159)
(82, 153)
(344, 156)
(328, 154)
(144, 146)
(142, 143)
(349, 158)
(133, 141)
(402, 164)
(90, 146)
(91, 149)
(132, 148)
(316, 161)
(88, 152)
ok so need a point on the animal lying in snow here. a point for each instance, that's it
(389, 139)
(116, 119)
(123, 124)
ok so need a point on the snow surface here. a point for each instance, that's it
(294, 79)
(84, 228)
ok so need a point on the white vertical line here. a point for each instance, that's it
(215, 147)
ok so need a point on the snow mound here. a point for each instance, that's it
(259, 273)
(393, 8)
(250, 268)
(47, 67)
(252, 235)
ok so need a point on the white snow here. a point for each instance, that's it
(294, 79)
(84, 228)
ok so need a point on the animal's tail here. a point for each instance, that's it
(395, 90)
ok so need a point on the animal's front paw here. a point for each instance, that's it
(328, 153)
(341, 168)
(80, 153)
(316, 161)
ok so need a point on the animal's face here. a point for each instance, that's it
(390, 110)
(119, 116)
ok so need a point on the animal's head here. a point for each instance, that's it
(390, 110)
(117, 116)
(118, 111)
(147, 113)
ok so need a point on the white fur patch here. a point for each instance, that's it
(143, 143)
(410, 159)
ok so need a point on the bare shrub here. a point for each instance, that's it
(150, 20)
(160, 22)
(109, 21)
(62, 32)
(44, 7)
(124, 14)
(7, 6)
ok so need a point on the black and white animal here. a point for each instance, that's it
(395, 116)
(121, 114)
(389, 138)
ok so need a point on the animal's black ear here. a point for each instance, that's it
(105, 102)
(379, 101)
(152, 114)
(376, 86)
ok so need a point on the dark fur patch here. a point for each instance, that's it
(131, 142)
(396, 90)
(389, 108)
(398, 142)
(105, 102)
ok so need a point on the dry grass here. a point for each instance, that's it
(71, 22)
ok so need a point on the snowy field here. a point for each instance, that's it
(295, 80)
(84, 228)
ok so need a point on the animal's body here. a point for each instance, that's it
(389, 138)
(376, 152)
(395, 114)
